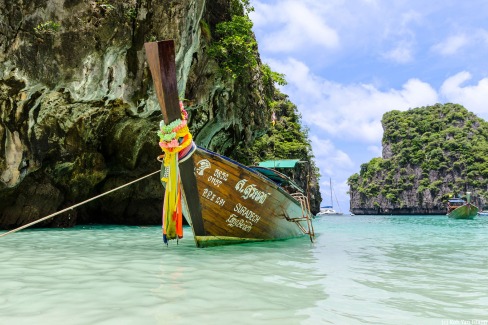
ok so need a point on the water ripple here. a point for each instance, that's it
(360, 270)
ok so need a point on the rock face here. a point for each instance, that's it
(78, 115)
(429, 155)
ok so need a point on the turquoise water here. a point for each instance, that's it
(360, 270)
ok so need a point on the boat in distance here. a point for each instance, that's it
(222, 200)
(457, 208)
(483, 212)
(328, 211)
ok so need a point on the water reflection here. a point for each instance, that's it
(250, 283)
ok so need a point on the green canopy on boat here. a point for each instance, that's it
(276, 176)
(287, 163)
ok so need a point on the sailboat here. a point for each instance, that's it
(328, 210)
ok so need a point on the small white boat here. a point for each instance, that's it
(328, 211)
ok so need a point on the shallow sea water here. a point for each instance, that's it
(360, 270)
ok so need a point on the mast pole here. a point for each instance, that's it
(330, 185)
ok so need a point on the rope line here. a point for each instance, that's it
(76, 205)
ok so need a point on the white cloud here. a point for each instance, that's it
(402, 53)
(325, 150)
(351, 111)
(474, 98)
(293, 26)
(376, 150)
(451, 45)
(400, 36)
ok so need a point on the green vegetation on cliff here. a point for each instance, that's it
(429, 154)
(286, 139)
(234, 47)
(236, 50)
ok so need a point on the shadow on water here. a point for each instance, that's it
(274, 282)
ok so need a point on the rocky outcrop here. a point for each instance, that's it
(78, 115)
(429, 155)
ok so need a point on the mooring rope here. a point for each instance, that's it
(76, 205)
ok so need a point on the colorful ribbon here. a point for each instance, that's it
(173, 138)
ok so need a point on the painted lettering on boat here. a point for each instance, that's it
(234, 221)
(201, 166)
(223, 176)
(209, 195)
(251, 192)
(218, 177)
(214, 181)
(246, 213)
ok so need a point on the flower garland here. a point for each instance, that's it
(173, 138)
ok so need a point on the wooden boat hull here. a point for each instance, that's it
(467, 211)
(237, 205)
(223, 201)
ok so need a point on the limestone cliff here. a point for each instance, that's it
(429, 154)
(78, 115)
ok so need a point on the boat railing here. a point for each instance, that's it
(306, 215)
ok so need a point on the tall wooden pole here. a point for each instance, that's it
(161, 60)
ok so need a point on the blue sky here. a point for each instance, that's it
(347, 62)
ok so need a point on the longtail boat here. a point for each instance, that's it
(222, 200)
(458, 208)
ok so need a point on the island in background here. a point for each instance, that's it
(430, 154)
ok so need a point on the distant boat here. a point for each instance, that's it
(458, 208)
(329, 209)
(484, 211)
